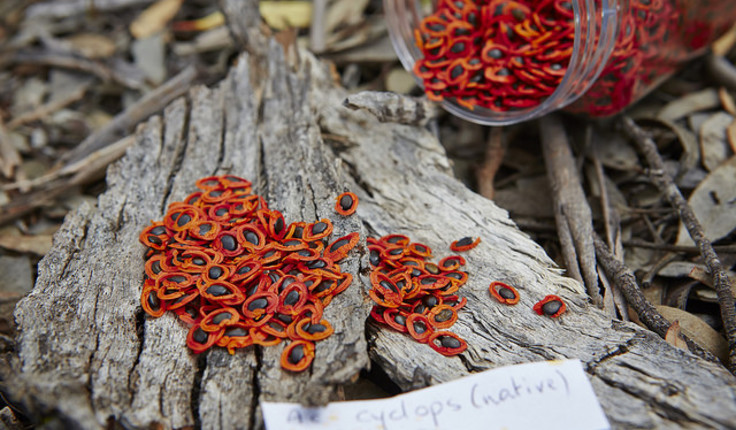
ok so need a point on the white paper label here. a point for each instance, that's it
(545, 395)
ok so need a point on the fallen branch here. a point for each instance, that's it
(572, 212)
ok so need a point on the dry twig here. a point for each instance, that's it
(572, 213)
(664, 182)
(142, 109)
(495, 150)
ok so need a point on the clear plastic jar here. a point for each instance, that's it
(618, 51)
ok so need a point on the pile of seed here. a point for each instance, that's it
(500, 55)
(239, 275)
(414, 295)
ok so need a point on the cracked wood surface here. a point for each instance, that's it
(88, 354)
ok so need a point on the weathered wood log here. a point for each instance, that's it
(87, 354)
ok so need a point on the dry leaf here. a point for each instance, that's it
(714, 204)
(400, 81)
(693, 102)
(731, 135)
(344, 13)
(674, 336)
(283, 14)
(724, 43)
(697, 330)
(714, 148)
(729, 105)
(91, 45)
(701, 275)
(38, 244)
(154, 18)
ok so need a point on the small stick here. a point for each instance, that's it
(571, 208)
(48, 108)
(317, 30)
(636, 243)
(72, 62)
(664, 182)
(142, 109)
(9, 157)
(495, 151)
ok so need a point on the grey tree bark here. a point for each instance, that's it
(87, 354)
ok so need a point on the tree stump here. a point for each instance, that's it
(87, 354)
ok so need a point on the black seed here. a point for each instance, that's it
(153, 301)
(346, 202)
(316, 264)
(291, 298)
(506, 293)
(319, 228)
(200, 336)
(236, 332)
(259, 303)
(269, 254)
(551, 308)
(278, 226)
(465, 241)
(221, 212)
(222, 316)
(274, 277)
(183, 220)
(287, 319)
(228, 242)
(216, 193)
(400, 319)
(304, 253)
(503, 72)
(323, 286)
(276, 326)
(495, 53)
(428, 280)
(556, 66)
(419, 328)
(432, 268)
(204, 229)
(430, 301)
(199, 261)
(458, 48)
(419, 309)
(292, 242)
(454, 275)
(389, 286)
(297, 354)
(456, 71)
(337, 245)
(518, 14)
(396, 251)
(192, 312)
(316, 328)
(252, 238)
(215, 272)
(309, 283)
(154, 240)
(217, 290)
(449, 342)
(156, 267)
(158, 230)
(177, 279)
(395, 239)
(243, 270)
(436, 27)
(444, 315)
(374, 257)
(415, 273)
(287, 282)
(298, 232)
(252, 290)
